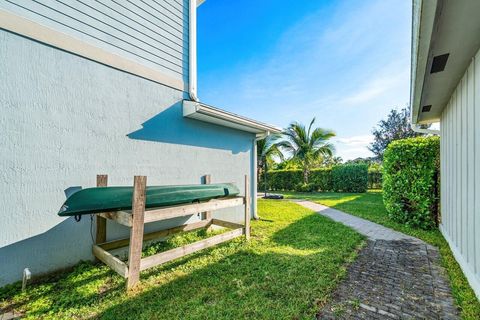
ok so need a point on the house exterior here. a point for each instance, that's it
(102, 87)
(445, 88)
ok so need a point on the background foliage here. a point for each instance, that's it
(411, 181)
(397, 126)
(375, 176)
(350, 178)
(319, 179)
(307, 145)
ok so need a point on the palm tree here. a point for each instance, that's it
(266, 150)
(307, 145)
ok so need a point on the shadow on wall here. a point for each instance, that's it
(59, 247)
(169, 126)
(63, 246)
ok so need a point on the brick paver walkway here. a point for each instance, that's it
(395, 276)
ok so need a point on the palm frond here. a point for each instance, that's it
(287, 146)
(267, 148)
(320, 136)
(306, 144)
(326, 149)
(310, 127)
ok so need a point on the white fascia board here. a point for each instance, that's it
(199, 111)
(423, 19)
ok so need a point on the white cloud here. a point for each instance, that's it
(355, 140)
(372, 90)
(387, 79)
(353, 147)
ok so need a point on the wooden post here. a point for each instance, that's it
(136, 232)
(247, 208)
(207, 179)
(101, 233)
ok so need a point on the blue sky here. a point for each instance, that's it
(347, 63)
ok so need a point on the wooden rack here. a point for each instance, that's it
(138, 216)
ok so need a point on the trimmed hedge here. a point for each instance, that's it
(282, 179)
(292, 180)
(374, 178)
(320, 179)
(350, 178)
(411, 181)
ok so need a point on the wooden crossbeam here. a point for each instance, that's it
(157, 234)
(189, 209)
(121, 217)
(110, 260)
(173, 254)
(152, 215)
(227, 224)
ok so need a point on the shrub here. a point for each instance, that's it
(282, 179)
(374, 177)
(350, 178)
(410, 181)
(321, 179)
(305, 187)
(292, 180)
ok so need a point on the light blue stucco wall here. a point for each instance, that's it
(65, 119)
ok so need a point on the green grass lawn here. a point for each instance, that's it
(287, 270)
(370, 206)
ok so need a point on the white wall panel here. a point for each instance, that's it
(460, 187)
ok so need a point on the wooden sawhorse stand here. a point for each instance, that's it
(138, 216)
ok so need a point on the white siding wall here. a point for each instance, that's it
(460, 185)
(153, 33)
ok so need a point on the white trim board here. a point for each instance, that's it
(25, 27)
(467, 271)
(206, 113)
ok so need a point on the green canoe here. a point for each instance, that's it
(103, 199)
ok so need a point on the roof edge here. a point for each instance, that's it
(200, 111)
(423, 18)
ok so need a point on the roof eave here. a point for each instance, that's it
(206, 113)
(423, 19)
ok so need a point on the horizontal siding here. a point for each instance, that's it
(460, 163)
(153, 33)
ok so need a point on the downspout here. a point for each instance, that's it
(254, 175)
(192, 49)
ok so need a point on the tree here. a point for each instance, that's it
(267, 149)
(330, 161)
(288, 164)
(397, 126)
(368, 161)
(305, 145)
